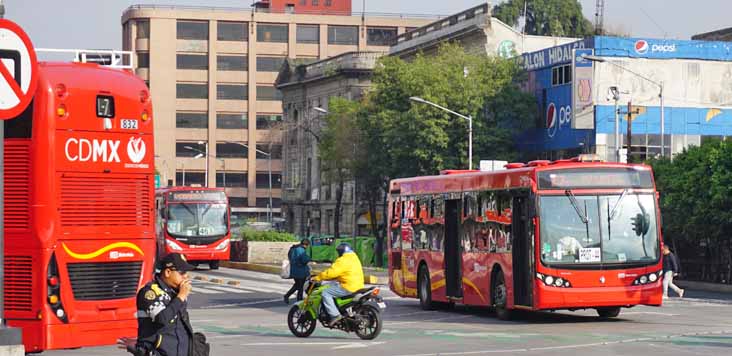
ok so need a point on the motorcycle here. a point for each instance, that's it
(361, 312)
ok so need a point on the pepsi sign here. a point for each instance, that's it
(642, 47)
(556, 119)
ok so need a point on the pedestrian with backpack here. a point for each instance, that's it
(299, 269)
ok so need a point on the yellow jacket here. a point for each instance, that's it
(347, 270)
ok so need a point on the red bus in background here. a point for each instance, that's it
(194, 222)
(79, 185)
(540, 236)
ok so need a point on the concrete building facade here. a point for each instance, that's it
(476, 30)
(308, 198)
(576, 100)
(211, 72)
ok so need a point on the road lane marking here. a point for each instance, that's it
(430, 320)
(218, 306)
(229, 289)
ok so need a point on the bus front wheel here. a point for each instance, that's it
(213, 264)
(500, 297)
(610, 312)
(425, 290)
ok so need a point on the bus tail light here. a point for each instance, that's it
(61, 91)
(648, 278)
(552, 281)
(145, 116)
(223, 245)
(61, 111)
(54, 290)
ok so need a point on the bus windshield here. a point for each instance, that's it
(598, 229)
(197, 219)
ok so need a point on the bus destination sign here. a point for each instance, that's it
(198, 196)
(595, 178)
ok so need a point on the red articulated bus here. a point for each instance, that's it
(193, 222)
(571, 234)
(79, 185)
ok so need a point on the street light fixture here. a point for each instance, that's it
(658, 84)
(470, 125)
(321, 110)
(269, 174)
(200, 155)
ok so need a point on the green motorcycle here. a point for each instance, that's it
(361, 312)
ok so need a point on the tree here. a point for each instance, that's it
(696, 205)
(546, 17)
(401, 138)
(337, 148)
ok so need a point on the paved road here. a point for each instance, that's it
(249, 319)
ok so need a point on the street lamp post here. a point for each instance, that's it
(470, 125)
(269, 174)
(658, 84)
(200, 154)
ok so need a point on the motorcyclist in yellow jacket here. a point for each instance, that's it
(347, 270)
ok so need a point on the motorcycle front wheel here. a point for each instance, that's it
(300, 322)
(370, 322)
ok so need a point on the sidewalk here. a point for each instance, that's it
(371, 275)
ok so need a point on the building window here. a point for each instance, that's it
(266, 92)
(316, 2)
(191, 178)
(231, 180)
(196, 148)
(328, 2)
(191, 120)
(303, 2)
(562, 75)
(191, 91)
(232, 63)
(263, 180)
(192, 61)
(143, 28)
(231, 121)
(274, 149)
(192, 30)
(264, 202)
(231, 31)
(269, 64)
(272, 33)
(266, 121)
(343, 35)
(380, 36)
(231, 150)
(143, 60)
(232, 92)
(308, 34)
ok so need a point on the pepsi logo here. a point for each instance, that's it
(556, 119)
(641, 46)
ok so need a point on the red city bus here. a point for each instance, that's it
(79, 184)
(539, 236)
(195, 222)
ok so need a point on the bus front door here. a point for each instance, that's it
(522, 247)
(453, 258)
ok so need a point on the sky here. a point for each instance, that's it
(96, 23)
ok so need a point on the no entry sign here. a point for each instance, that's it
(18, 70)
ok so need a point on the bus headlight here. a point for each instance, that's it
(647, 278)
(549, 280)
(223, 245)
(173, 246)
(652, 277)
(552, 281)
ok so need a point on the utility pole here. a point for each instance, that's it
(629, 154)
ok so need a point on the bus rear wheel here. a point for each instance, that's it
(610, 312)
(213, 264)
(500, 297)
(424, 289)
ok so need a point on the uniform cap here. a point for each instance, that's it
(176, 261)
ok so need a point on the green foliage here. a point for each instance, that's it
(696, 205)
(269, 236)
(546, 17)
(420, 139)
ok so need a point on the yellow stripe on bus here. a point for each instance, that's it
(88, 256)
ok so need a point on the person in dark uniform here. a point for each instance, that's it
(163, 326)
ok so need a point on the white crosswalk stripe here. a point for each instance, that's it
(245, 287)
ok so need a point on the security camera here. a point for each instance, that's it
(613, 93)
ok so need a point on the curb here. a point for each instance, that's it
(704, 286)
(368, 278)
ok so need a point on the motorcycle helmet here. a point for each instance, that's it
(343, 248)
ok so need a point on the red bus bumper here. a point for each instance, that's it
(38, 336)
(206, 254)
(578, 298)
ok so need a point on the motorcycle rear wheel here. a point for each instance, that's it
(372, 322)
(300, 322)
